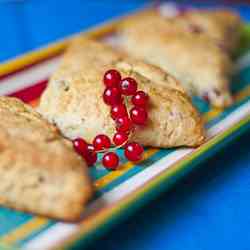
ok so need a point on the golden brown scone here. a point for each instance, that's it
(195, 58)
(40, 172)
(73, 98)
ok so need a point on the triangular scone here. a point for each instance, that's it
(73, 98)
(39, 170)
(195, 58)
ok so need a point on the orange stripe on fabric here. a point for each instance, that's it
(23, 230)
(34, 103)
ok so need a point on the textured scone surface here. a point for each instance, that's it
(195, 58)
(73, 98)
(222, 26)
(40, 172)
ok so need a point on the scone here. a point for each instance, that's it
(73, 99)
(40, 172)
(184, 47)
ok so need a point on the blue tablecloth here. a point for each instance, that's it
(210, 208)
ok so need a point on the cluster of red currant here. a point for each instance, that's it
(117, 91)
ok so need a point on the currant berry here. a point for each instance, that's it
(138, 115)
(101, 142)
(128, 86)
(124, 124)
(112, 78)
(110, 161)
(118, 110)
(206, 97)
(140, 99)
(90, 155)
(133, 151)
(112, 96)
(120, 138)
(80, 145)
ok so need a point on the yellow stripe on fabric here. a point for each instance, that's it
(24, 230)
(211, 114)
(102, 182)
(31, 58)
(243, 94)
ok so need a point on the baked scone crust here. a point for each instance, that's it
(40, 172)
(221, 25)
(73, 99)
(194, 58)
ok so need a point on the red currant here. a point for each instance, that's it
(90, 155)
(110, 161)
(112, 78)
(206, 97)
(119, 138)
(140, 99)
(80, 145)
(101, 142)
(133, 151)
(128, 86)
(124, 124)
(138, 115)
(118, 110)
(112, 96)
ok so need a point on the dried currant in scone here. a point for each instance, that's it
(194, 29)
(205, 97)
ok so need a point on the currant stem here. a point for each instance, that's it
(112, 149)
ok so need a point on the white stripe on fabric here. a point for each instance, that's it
(28, 77)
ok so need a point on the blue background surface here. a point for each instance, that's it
(207, 210)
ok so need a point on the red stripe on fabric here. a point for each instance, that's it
(31, 93)
(30, 65)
